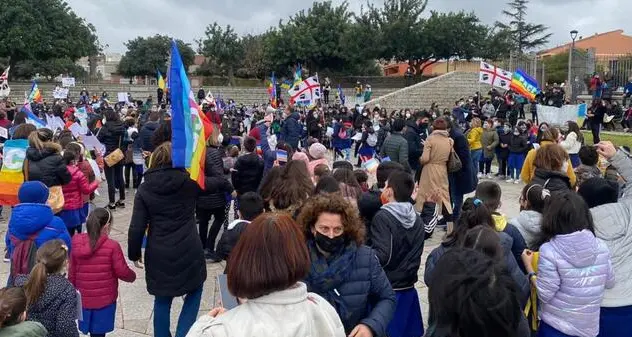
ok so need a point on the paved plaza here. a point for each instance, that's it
(135, 306)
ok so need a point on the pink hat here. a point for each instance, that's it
(317, 151)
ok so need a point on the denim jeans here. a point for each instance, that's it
(476, 157)
(188, 315)
(456, 198)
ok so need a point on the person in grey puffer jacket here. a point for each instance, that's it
(574, 269)
(613, 225)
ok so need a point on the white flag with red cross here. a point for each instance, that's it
(5, 90)
(305, 93)
(494, 76)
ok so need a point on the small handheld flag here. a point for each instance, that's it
(161, 81)
(35, 95)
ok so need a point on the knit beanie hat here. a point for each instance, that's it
(317, 151)
(33, 192)
(599, 191)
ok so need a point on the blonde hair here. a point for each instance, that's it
(161, 157)
(42, 138)
(212, 140)
(476, 122)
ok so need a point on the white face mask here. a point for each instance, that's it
(364, 114)
(407, 115)
(220, 138)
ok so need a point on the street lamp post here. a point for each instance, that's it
(570, 63)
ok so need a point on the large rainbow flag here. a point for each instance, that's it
(524, 85)
(11, 176)
(35, 95)
(190, 127)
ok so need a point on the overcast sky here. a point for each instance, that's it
(118, 21)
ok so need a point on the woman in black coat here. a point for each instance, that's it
(164, 208)
(111, 135)
(344, 271)
(213, 204)
(43, 160)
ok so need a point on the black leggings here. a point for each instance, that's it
(204, 217)
(502, 166)
(596, 129)
(74, 230)
(114, 177)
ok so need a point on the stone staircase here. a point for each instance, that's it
(444, 89)
(247, 96)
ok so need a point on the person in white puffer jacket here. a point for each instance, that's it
(532, 201)
(573, 142)
(264, 273)
(613, 225)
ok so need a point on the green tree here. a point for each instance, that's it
(317, 39)
(496, 45)
(404, 35)
(43, 30)
(223, 46)
(145, 55)
(526, 36)
(254, 63)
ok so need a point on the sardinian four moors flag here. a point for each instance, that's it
(189, 125)
(494, 76)
(5, 90)
(305, 93)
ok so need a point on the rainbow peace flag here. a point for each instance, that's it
(190, 127)
(524, 85)
(11, 176)
(272, 92)
(161, 80)
(35, 95)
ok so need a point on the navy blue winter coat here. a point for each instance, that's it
(291, 131)
(145, 134)
(367, 287)
(466, 180)
(337, 142)
(28, 219)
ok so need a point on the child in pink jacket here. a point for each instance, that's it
(73, 192)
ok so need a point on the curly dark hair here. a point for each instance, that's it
(354, 229)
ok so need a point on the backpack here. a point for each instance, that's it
(24, 253)
(372, 140)
(344, 133)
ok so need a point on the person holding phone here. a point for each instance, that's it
(264, 272)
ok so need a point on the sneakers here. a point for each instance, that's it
(112, 206)
(120, 204)
(489, 176)
(479, 175)
(517, 181)
(509, 181)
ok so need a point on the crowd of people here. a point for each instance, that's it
(312, 248)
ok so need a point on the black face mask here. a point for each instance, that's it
(328, 244)
(423, 126)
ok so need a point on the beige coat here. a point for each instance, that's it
(434, 175)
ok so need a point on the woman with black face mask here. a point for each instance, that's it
(344, 271)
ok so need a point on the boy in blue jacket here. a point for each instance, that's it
(33, 219)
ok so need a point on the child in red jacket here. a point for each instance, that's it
(87, 171)
(74, 191)
(96, 264)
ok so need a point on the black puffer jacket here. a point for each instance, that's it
(248, 173)
(111, 135)
(551, 180)
(397, 236)
(46, 166)
(165, 204)
(145, 134)
(56, 309)
(214, 167)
